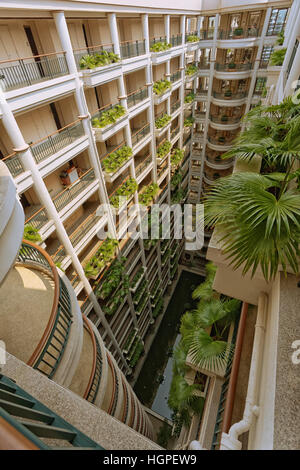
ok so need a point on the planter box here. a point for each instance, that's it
(160, 57)
(133, 289)
(192, 46)
(106, 132)
(123, 206)
(94, 77)
(160, 160)
(160, 98)
(110, 177)
(189, 78)
(162, 130)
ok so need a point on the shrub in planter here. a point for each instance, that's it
(189, 97)
(188, 122)
(161, 86)
(177, 197)
(109, 117)
(191, 69)
(277, 57)
(31, 234)
(98, 60)
(103, 255)
(193, 38)
(280, 39)
(116, 159)
(177, 156)
(125, 191)
(160, 46)
(231, 65)
(176, 178)
(115, 276)
(148, 194)
(116, 301)
(163, 149)
(238, 31)
(162, 121)
(137, 277)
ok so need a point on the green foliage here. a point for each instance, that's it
(191, 69)
(280, 38)
(148, 194)
(114, 277)
(238, 31)
(162, 121)
(158, 308)
(160, 46)
(176, 156)
(109, 117)
(176, 178)
(31, 234)
(163, 149)
(189, 98)
(161, 86)
(137, 353)
(137, 277)
(102, 257)
(188, 122)
(164, 434)
(178, 196)
(140, 291)
(183, 401)
(124, 192)
(277, 57)
(193, 38)
(258, 215)
(98, 60)
(116, 159)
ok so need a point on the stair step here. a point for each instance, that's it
(44, 430)
(14, 398)
(25, 412)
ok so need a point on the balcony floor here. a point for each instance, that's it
(26, 299)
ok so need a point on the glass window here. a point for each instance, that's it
(277, 21)
(265, 56)
(292, 57)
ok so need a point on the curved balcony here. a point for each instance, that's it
(217, 163)
(210, 179)
(219, 144)
(199, 116)
(35, 297)
(238, 37)
(229, 99)
(233, 71)
(229, 123)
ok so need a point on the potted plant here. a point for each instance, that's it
(148, 194)
(123, 193)
(162, 121)
(191, 70)
(189, 98)
(193, 38)
(163, 149)
(99, 59)
(161, 86)
(116, 159)
(31, 234)
(176, 156)
(160, 46)
(109, 117)
(238, 31)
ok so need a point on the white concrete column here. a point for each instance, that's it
(112, 20)
(122, 92)
(182, 28)
(145, 24)
(199, 25)
(65, 40)
(167, 27)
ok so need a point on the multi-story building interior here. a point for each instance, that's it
(93, 107)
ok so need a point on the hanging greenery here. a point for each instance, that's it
(160, 46)
(109, 117)
(115, 160)
(98, 59)
(161, 86)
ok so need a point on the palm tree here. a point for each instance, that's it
(257, 216)
(209, 350)
(258, 221)
(183, 400)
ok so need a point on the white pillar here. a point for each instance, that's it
(65, 40)
(167, 27)
(122, 92)
(182, 28)
(145, 24)
(112, 19)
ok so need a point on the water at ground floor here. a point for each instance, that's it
(153, 384)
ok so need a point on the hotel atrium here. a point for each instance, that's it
(109, 111)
